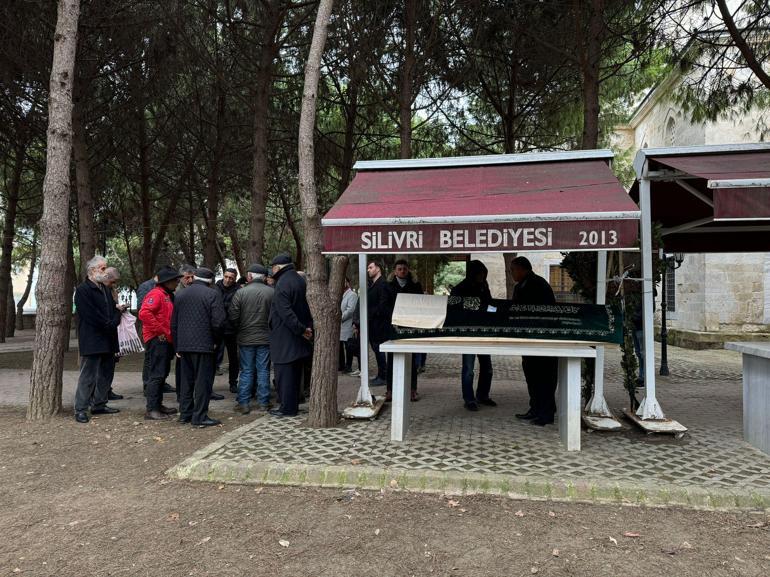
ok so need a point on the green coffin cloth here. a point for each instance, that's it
(465, 317)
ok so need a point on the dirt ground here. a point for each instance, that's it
(93, 500)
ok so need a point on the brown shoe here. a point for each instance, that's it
(155, 416)
(168, 410)
(242, 409)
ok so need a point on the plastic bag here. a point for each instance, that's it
(128, 338)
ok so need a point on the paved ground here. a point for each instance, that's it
(450, 449)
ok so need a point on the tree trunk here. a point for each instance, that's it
(10, 321)
(210, 253)
(405, 96)
(9, 232)
(28, 287)
(590, 66)
(323, 293)
(235, 241)
(53, 302)
(259, 179)
(86, 234)
(294, 232)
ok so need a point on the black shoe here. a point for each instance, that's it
(183, 419)
(487, 402)
(81, 417)
(540, 422)
(528, 416)
(168, 388)
(472, 406)
(216, 397)
(207, 423)
(378, 382)
(112, 396)
(233, 389)
(279, 413)
(105, 411)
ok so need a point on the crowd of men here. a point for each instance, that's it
(190, 320)
(264, 322)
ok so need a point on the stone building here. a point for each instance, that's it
(712, 298)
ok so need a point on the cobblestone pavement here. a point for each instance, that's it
(449, 448)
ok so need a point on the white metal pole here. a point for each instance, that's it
(364, 395)
(649, 407)
(597, 405)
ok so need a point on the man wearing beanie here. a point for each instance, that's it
(249, 315)
(196, 325)
(291, 333)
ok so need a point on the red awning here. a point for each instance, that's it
(710, 198)
(510, 203)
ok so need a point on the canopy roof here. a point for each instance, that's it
(501, 203)
(709, 198)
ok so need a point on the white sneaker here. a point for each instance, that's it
(355, 373)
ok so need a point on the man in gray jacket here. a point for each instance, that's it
(249, 314)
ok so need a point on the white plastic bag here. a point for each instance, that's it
(128, 339)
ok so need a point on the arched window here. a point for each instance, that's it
(670, 131)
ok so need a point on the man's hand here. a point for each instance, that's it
(121, 307)
(179, 355)
(162, 338)
(308, 334)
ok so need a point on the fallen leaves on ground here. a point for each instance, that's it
(283, 543)
(519, 513)
(173, 517)
(202, 541)
(614, 541)
(452, 503)
(555, 553)
(631, 534)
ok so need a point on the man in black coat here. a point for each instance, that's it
(403, 282)
(541, 373)
(227, 288)
(291, 334)
(380, 302)
(475, 285)
(98, 320)
(196, 325)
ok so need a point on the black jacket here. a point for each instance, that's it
(468, 287)
(411, 287)
(533, 290)
(380, 302)
(198, 319)
(98, 319)
(227, 294)
(289, 317)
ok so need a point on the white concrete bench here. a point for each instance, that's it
(568, 353)
(756, 392)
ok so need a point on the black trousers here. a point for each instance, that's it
(158, 355)
(382, 362)
(229, 343)
(288, 379)
(196, 383)
(94, 382)
(542, 374)
(145, 368)
(389, 386)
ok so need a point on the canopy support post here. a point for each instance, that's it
(365, 405)
(597, 413)
(649, 407)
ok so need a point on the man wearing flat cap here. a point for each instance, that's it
(196, 326)
(249, 315)
(155, 314)
(291, 333)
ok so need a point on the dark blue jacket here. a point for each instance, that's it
(98, 319)
(289, 317)
(198, 319)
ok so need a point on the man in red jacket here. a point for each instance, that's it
(155, 315)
